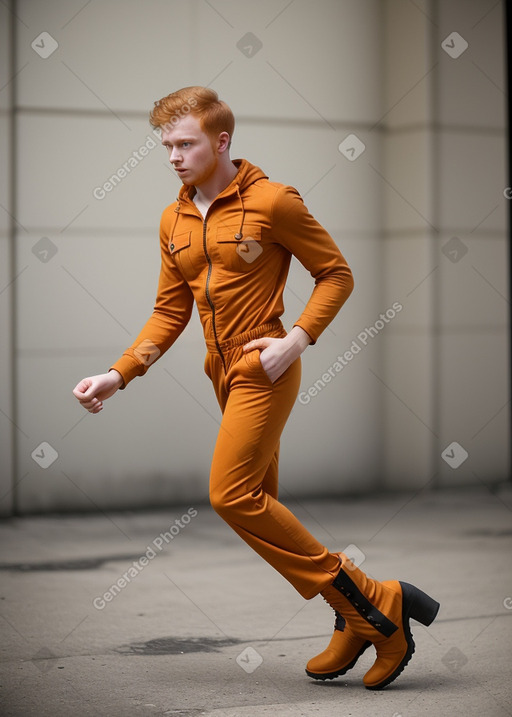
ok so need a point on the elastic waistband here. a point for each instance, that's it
(240, 339)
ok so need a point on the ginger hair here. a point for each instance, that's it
(214, 115)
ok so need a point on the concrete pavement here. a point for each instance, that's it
(169, 613)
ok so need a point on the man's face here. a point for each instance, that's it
(190, 151)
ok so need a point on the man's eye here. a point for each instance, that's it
(185, 144)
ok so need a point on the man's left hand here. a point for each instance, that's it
(278, 354)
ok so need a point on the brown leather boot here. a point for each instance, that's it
(340, 655)
(379, 612)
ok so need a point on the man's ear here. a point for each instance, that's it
(223, 142)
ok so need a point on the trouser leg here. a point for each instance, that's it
(243, 481)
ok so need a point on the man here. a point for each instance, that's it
(226, 243)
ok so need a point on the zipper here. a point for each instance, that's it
(209, 298)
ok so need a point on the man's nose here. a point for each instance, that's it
(174, 156)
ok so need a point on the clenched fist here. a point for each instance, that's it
(92, 391)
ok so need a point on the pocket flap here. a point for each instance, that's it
(179, 242)
(226, 234)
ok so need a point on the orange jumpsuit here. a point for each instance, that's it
(234, 264)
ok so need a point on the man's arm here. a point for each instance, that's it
(297, 230)
(171, 314)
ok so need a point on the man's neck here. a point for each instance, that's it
(207, 192)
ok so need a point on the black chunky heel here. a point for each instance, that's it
(419, 605)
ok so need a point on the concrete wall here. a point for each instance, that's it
(446, 360)
(301, 77)
(8, 430)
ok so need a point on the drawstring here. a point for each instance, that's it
(239, 235)
(171, 236)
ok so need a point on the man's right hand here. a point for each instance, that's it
(92, 391)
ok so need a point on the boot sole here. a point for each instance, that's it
(331, 675)
(416, 605)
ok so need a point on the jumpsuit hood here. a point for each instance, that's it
(247, 174)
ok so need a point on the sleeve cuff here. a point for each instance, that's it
(128, 368)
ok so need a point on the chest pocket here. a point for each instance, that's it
(181, 251)
(243, 255)
(179, 242)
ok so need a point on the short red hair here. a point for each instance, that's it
(214, 115)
